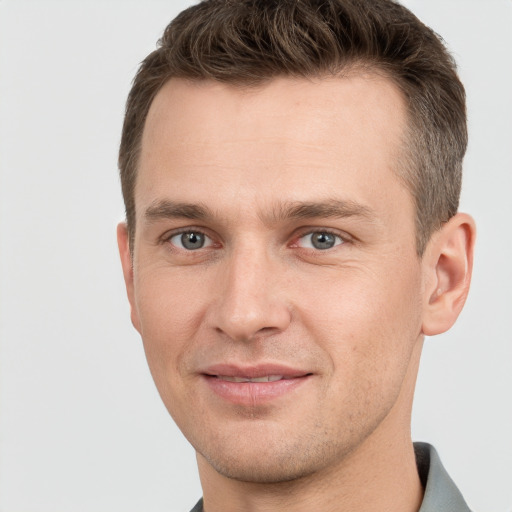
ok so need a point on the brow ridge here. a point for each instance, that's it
(290, 210)
(330, 208)
(166, 209)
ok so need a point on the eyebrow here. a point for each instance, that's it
(329, 208)
(165, 209)
(293, 210)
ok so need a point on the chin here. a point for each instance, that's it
(261, 471)
(270, 460)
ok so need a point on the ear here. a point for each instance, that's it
(123, 242)
(448, 263)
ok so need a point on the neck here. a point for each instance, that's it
(386, 482)
(380, 474)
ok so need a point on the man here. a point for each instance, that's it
(291, 173)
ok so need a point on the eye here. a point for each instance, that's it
(190, 240)
(320, 240)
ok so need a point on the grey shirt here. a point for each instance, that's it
(441, 495)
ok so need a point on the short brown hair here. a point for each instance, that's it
(248, 42)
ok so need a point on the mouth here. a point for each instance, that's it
(254, 385)
(265, 378)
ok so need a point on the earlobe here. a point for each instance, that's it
(123, 242)
(448, 262)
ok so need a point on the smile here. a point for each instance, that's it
(266, 378)
(255, 385)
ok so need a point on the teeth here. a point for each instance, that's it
(266, 378)
(273, 378)
(233, 379)
(260, 379)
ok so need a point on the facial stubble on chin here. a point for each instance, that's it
(282, 462)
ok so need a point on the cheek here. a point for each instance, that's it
(367, 322)
(169, 311)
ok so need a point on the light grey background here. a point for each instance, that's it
(81, 425)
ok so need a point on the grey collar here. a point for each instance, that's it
(441, 494)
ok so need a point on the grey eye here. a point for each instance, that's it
(320, 240)
(191, 240)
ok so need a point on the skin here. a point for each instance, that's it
(353, 317)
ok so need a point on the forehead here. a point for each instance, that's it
(289, 138)
(352, 103)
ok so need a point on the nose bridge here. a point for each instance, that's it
(252, 301)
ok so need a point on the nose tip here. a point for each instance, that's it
(246, 322)
(252, 302)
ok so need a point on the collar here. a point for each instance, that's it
(441, 494)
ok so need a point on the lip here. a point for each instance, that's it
(253, 393)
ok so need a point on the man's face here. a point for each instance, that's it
(274, 240)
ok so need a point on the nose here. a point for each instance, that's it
(252, 302)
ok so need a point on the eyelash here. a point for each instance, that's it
(168, 236)
(343, 238)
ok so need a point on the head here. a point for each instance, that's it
(291, 174)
